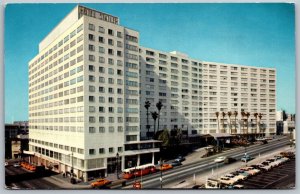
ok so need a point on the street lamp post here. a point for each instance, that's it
(161, 173)
(117, 158)
(72, 169)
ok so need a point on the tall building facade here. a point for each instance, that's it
(84, 97)
(89, 82)
(193, 91)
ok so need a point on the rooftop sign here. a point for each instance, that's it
(96, 14)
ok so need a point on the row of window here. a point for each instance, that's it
(54, 104)
(64, 56)
(102, 150)
(101, 119)
(56, 46)
(101, 29)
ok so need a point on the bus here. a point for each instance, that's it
(144, 170)
(129, 173)
(138, 171)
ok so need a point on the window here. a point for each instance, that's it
(110, 61)
(91, 58)
(101, 29)
(101, 79)
(92, 27)
(101, 109)
(111, 150)
(91, 129)
(79, 28)
(110, 71)
(120, 149)
(131, 138)
(110, 80)
(111, 129)
(101, 150)
(91, 68)
(91, 151)
(92, 88)
(101, 69)
(119, 34)
(101, 129)
(111, 109)
(91, 47)
(110, 51)
(91, 109)
(101, 60)
(101, 49)
(91, 37)
(91, 98)
(92, 119)
(111, 100)
(110, 42)
(101, 89)
(101, 119)
(101, 39)
(119, 53)
(110, 90)
(131, 38)
(120, 128)
(110, 32)
(91, 78)
(119, 72)
(101, 99)
(120, 44)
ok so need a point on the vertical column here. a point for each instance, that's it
(138, 160)
(153, 160)
(123, 163)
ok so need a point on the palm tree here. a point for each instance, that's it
(154, 116)
(259, 116)
(243, 115)
(164, 137)
(147, 106)
(255, 116)
(247, 115)
(159, 105)
(223, 115)
(235, 115)
(217, 115)
(229, 115)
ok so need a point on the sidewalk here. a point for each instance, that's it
(217, 172)
(64, 182)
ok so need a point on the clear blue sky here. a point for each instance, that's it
(248, 34)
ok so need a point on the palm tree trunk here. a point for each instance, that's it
(148, 124)
(158, 121)
(235, 125)
(154, 127)
(230, 126)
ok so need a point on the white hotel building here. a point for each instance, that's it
(89, 82)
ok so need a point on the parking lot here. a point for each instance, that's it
(282, 177)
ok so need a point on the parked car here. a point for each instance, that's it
(220, 159)
(227, 180)
(238, 176)
(246, 158)
(100, 183)
(244, 173)
(180, 158)
(164, 167)
(176, 163)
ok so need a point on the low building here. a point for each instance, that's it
(16, 139)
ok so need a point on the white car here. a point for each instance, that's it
(220, 159)
(16, 165)
(6, 163)
(227, 180)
